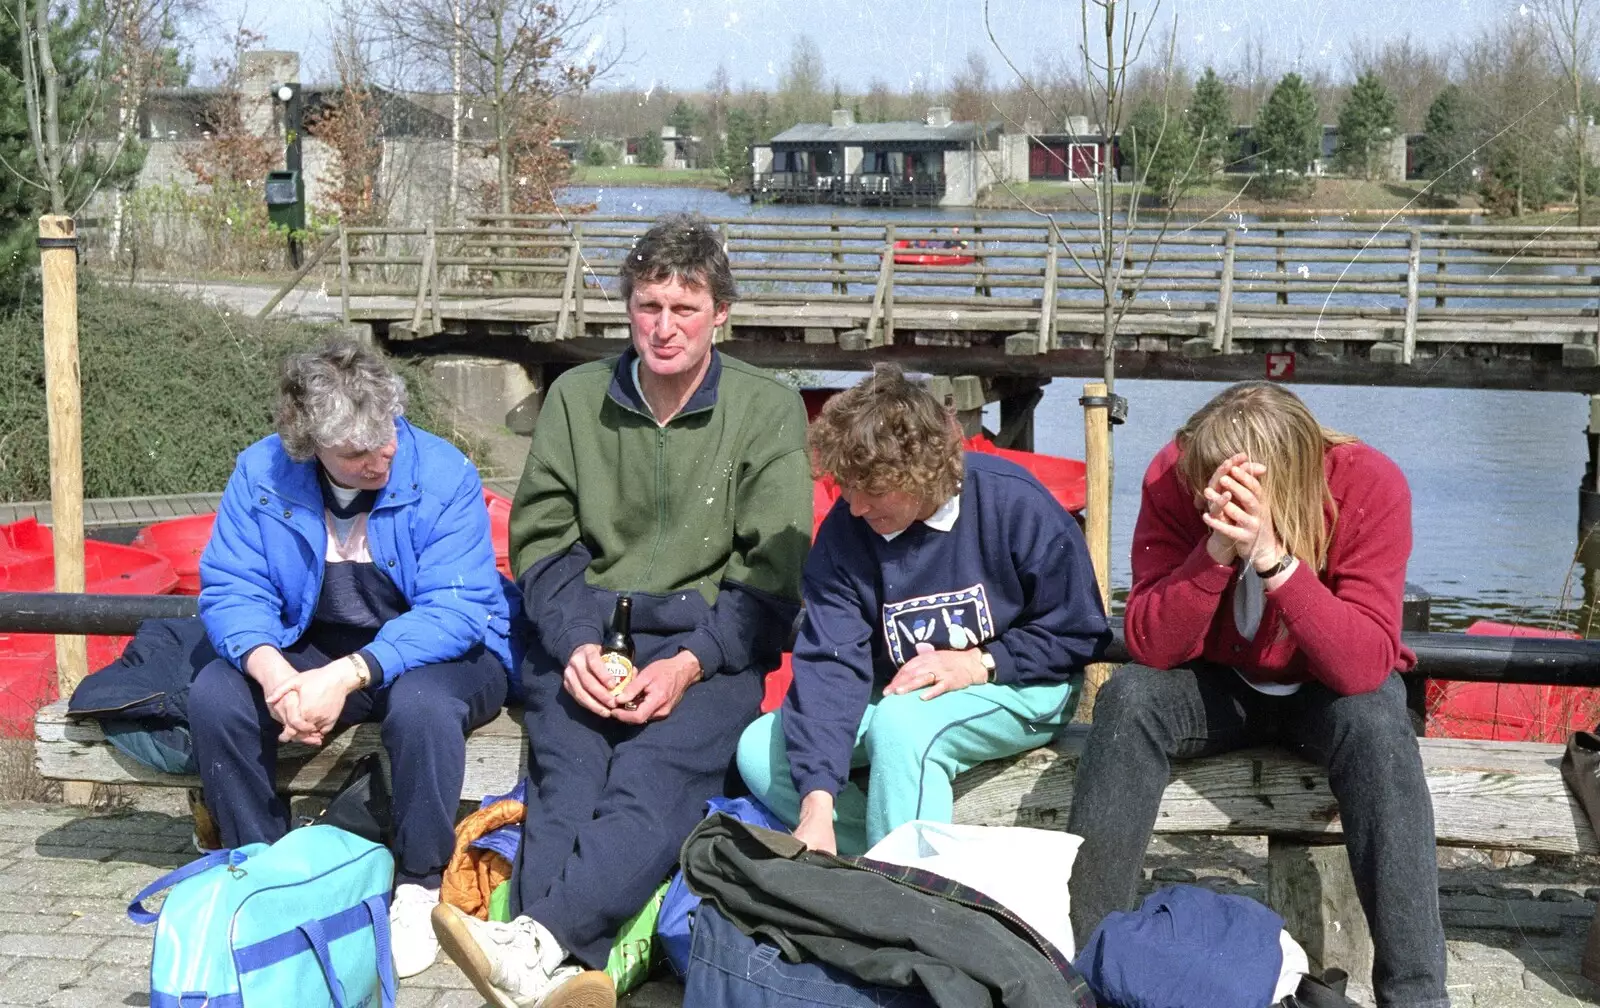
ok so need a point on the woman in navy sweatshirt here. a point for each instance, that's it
(1269, 562)
(950, 609)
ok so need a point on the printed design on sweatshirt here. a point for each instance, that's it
(950, 621)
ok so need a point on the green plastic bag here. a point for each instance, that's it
(500, 903)
(633, 952)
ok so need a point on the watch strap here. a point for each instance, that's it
(1277, 568)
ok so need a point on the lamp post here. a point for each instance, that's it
(291, 214)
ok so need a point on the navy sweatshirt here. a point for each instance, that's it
(1012, 574)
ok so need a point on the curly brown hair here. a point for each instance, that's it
(889, 433)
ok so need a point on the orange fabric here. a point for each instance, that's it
(473, 874)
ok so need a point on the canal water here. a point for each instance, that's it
(1494, 475)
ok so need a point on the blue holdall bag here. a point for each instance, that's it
(304, 921)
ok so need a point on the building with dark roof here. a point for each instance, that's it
(937, 162)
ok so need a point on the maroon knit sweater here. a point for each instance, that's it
(1342, 624)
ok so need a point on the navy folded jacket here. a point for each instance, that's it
(1185, 947)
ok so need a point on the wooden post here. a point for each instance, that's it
(1283, 267)
(583, 275)
(982, 263)
(422, 281)
(878, 321)
(344, 273)
(1047, 301)
(1222, 328)
(888, 286)
(1413, 266)
(433, 280)
(573, 276)
(58, 262)
(1439, 268)
(724, 332)
(1097, 519)
(840, 286)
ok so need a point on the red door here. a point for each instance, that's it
(1085, 160)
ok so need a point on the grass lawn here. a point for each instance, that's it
(1230, 192)
(640, 175)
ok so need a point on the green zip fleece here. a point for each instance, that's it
(717, 501)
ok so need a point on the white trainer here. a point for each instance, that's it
(411, 937)
(518, 964)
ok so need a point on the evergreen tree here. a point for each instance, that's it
(1161, 151)
(1210, 122)
(1288, 136)
(733, 161)
(684, 118)
(1445, 153)
(651, 150)
(1366, 125)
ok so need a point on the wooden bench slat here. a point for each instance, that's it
(1485, 794)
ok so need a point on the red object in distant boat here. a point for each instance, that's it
(1510, 712)
(499, 529)
(28, 661)
(181, 541)
(907, 254)
(1066, 479)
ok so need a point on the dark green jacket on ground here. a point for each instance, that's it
(705, 522)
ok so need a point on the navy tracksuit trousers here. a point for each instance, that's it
(609, 805)
(426, 714)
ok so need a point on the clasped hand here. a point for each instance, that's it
(938, 672)
(653, 691)
(1239, 514)
(308, 703)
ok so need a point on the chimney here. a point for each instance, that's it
(843, 118)
(938, 117)
(1032, 127)
(1078, 125)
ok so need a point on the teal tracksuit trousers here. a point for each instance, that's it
(914, 750)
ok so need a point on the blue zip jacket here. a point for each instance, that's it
(262, 571)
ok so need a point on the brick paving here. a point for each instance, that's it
(1515, 931)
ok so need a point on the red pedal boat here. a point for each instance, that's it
(907, 253)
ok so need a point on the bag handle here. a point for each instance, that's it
(318, 938)
(378, 910)
(140, 914)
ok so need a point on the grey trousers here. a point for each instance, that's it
(1144, 718)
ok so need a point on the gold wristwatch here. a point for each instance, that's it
(987, 660)
(363, 674)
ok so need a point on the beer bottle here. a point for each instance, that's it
(616, 650)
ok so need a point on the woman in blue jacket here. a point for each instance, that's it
(350, 578)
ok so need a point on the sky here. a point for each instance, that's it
(678, 43)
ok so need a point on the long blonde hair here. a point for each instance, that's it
(1271, 425)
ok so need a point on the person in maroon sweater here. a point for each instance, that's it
(1269, 562)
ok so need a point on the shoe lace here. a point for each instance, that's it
(410, 895)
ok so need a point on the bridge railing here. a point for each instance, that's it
(1417, 274)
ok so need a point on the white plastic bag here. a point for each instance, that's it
(1024, 870)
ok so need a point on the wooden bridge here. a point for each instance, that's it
(1433, 305)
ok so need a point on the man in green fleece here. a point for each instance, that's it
(678, 477)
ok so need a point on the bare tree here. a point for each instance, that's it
(1411, 72)
(1113, 40)
(969, 97)
(1569, 30)
(521, 58)
(41, 95)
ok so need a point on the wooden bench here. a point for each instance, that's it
(1501, 795)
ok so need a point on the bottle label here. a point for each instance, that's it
(619, 671)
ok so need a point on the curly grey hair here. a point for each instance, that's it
(338, 395)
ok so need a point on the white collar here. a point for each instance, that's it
(942, 520)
